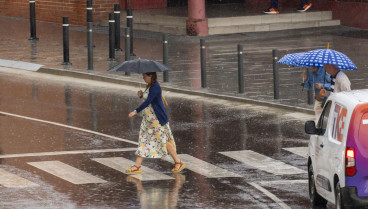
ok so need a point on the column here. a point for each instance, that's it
(197, 24)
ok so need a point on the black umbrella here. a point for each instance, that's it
(140, 66)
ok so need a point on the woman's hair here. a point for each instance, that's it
(153, 78)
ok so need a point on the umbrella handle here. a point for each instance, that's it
(307, 72)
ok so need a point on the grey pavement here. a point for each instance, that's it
(184, 58)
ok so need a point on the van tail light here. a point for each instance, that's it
(350, 162)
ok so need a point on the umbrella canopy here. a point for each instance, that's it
(291, 59)
(140, 66)
(319, 57)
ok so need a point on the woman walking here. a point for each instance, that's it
(155, 137)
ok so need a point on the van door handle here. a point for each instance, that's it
(321, 145)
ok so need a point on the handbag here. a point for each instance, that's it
(164, 101)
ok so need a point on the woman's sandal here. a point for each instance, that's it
(181, 167)
(134, 170)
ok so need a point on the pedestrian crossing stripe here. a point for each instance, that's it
(302, 151)
(280, 182)
(199, 166)
(121, 164)
(10, 180)
(76, 176)
(66, 172)
(262, 162)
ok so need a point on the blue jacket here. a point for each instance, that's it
(321, 77)
(154, 98)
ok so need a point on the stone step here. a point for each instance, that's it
(176, 30)
(161, 20)
(228, 25)
(155, 19)
(268, 19)
(270, 27)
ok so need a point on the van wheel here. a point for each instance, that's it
(315, 198)
(338, 198)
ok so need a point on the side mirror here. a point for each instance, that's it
(310, 127)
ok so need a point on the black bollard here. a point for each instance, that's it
(89, 11)
(66, 41)
(32, 19)
(203, 63)
(276, 83)
(90, 45)
(89, 35)
(127, 46)
(240, 69)
(117, 27)
(111, 37)
(165, 54)
(310, 96)
(129, 18)
(310, 92)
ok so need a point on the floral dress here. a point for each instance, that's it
(152, 135)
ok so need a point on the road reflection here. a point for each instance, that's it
(157, 197)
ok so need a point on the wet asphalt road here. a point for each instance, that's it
(202, 127)
(184, 56)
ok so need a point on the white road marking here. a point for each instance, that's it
(66, 152)
(262, 162)
(10, 180)
(270, 195)
(202, 167)
(302, 151)
(67, 172)
(70, 127)
(122, 164)
(20, 65)
(300, 116)
(283, 182)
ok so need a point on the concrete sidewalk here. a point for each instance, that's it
(184, 58)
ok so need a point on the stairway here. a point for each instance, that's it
(262, 23)
(230, 25)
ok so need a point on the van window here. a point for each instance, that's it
(322, 123)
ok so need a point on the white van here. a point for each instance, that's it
(338, 151)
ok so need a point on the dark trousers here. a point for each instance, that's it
(275, 3)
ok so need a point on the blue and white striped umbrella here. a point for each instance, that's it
(291, 59)
(319, 57)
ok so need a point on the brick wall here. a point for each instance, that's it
(353, 14)
(54, 10)
(144, 4)
(102, 8)
(350, 13)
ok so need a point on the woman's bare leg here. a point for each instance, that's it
(138, 161)
(136, 168)
(173, 154)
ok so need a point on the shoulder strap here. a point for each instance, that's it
(164, 100)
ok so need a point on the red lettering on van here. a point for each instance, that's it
(340, 124)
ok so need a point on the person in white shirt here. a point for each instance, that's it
(339, 80)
